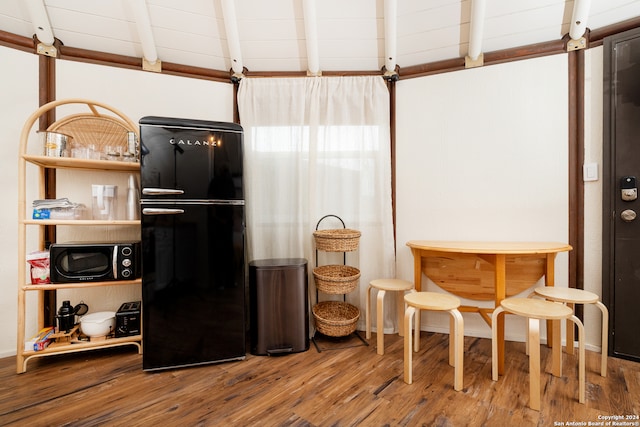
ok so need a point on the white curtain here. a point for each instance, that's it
(314, 147)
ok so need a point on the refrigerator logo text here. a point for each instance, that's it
(206, 142)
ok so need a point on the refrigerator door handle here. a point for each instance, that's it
(161, 211)
(161, 191)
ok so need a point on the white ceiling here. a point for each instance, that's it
(272, 34)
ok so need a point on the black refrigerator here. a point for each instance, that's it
(193, 260)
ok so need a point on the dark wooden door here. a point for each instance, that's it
(621, 237)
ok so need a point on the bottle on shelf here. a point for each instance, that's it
(132, 199)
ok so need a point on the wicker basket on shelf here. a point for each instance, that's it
(335, 318)
(336, 279)
(100, 131)
(337, 240)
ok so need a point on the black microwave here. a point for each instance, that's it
(94, 262)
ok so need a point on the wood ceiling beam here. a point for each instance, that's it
(311, 37)
(233, 38)
(578, 27)
(474, 57)
(390, 39)
(553, 47)
(150, 61)
(42, 27)
(579, 18)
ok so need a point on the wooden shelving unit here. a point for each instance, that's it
(114, 124)
(55, 286)
(86, 164)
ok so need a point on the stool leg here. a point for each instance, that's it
(408, 352)
(416, 332)
(605, 338)
(526, 339)
(534, 364)
(569, 333)
(368, 313)
(494, 343)
(581, 361)
(380, 321)
(457, 324)
(526, 332)
(556, 348)
(400, 310)
(453, 340)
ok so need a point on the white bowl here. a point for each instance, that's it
(98, 324)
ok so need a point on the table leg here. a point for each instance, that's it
(500, 289)
(417, 269)
(556, 351)
(549, 280)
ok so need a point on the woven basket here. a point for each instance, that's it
(335, 318)
(100, 131)
(337, 240)
(336, 279)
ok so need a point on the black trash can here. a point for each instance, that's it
(279, 316)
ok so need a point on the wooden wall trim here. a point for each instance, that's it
(134, 63)
(391, 84)
(576, 159)
(16, 42)
(47, 93)
(490, 58)
(573, 162)
(596, 37)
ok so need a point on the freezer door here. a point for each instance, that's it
(190, 159)
(193, 284)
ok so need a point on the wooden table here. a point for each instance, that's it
(495, 254)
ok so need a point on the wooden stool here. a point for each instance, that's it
(383, 285)
(572, 296)
(434, 301)
(535, 310)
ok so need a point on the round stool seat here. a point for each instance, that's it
(537, 309)
(383, 286)
(434, 301)
(572, 295)
(391, 284)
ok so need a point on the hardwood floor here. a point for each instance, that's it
(344, 387)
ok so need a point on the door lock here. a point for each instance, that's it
(628, 215)
(628, 188)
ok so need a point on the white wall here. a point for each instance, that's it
(136, 94)
(593, 134)
(482, 154)
(19, 94)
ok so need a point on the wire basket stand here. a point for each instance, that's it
(335, 321)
